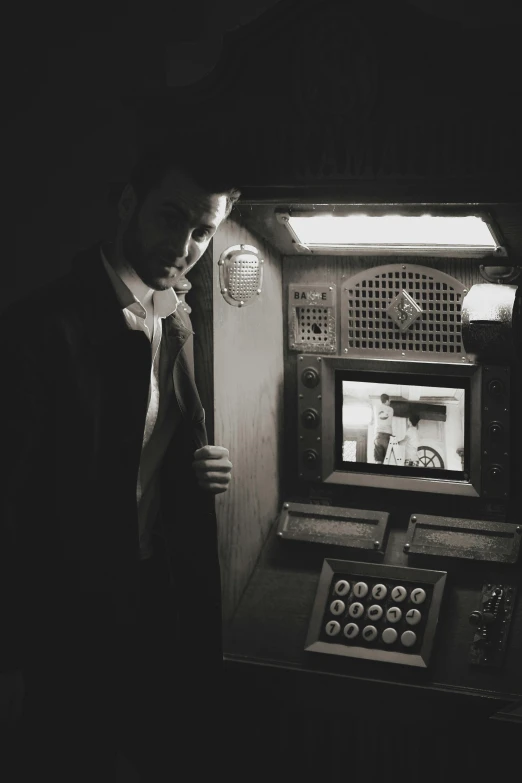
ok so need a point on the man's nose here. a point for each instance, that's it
(181, 245)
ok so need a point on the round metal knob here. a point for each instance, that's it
(310, 418)
(310, 458)
(310, 377)
(478, 618)
(496, 387)
(495, 430)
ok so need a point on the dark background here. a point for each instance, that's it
(69, 68)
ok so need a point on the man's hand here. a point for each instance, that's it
(213, 468)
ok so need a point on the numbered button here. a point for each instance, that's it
(342, 587)
(337, 607)
(399, 593)
(389, 635)
(356, 610)
(408, 638)
(360, 589)
(418, 596)
(369, 633)
(351, 630)
(413, 617)
(332, 628)
(379, 592)
(394, 614)
(375, 612)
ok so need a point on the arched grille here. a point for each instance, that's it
(374, 301)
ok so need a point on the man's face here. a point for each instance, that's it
(168, 234)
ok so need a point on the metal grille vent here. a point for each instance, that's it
(312, 325)
(312, 318)
(371, 305)
(240, 274)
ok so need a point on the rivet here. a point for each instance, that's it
(300, 358)
(406, 547)
(414, 518)
(519, 528)
(286, 505)
(376, 544)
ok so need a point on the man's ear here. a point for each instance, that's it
(127, 202)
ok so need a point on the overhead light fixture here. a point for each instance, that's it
(446, 235)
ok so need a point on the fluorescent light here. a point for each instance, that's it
(402, 233)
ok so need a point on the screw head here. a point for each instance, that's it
(376, 544)
(414, 518)
(519, 528)
(406, 547)
(286, 505)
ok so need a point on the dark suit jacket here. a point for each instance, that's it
(73, 399)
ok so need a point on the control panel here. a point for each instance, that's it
(495, 420)
(375, 611)
(492, 622)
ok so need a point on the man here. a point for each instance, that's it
(384, 416)
(411, 442)
(111, 591)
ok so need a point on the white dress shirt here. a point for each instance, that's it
(162, 416)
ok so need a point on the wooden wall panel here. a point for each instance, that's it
(248, 406)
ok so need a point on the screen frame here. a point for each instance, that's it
(461, 376)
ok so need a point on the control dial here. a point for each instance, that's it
(479, 618)
(496, 431)
(310, 377)
(310, 459)
(310, 418)
(496, 473)
(496, 387)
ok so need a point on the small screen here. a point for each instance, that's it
(403, 425)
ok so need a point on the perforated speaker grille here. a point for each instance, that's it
(312, 325)
(240, 274)
(371, 308)
(312, 318)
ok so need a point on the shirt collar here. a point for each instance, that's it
(165, 302)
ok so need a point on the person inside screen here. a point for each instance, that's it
(410, 442)
(109, 539)
(383, 429)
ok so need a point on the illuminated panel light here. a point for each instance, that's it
(466, 235)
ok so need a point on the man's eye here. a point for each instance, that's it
(201, 234)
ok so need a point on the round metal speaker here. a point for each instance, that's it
(240, 275)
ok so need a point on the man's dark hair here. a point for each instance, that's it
(415, 419)
(385, 398)
(209, 161)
